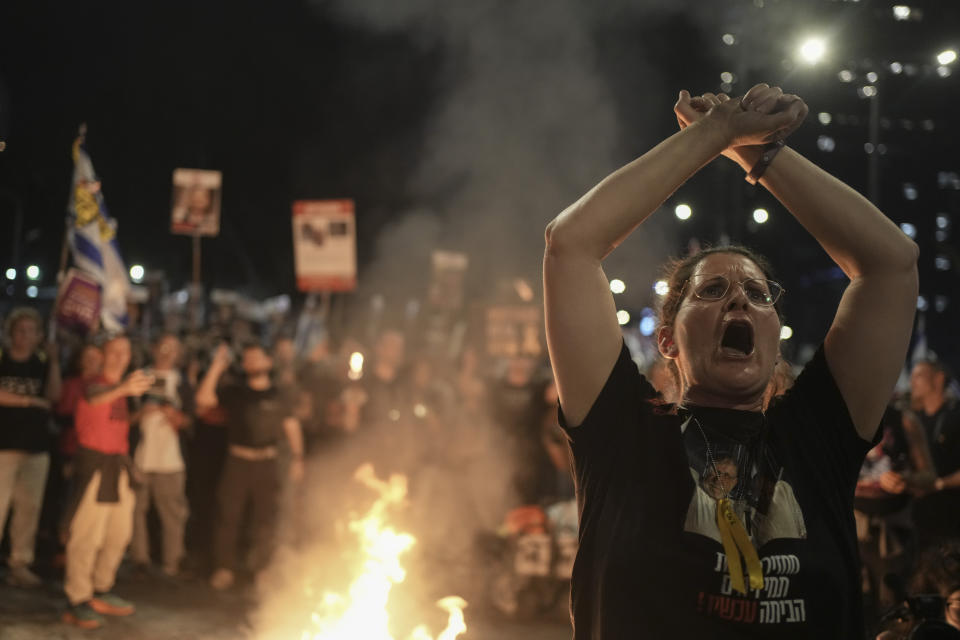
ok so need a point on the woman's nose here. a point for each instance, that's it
(737, 297)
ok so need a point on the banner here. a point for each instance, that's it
(325, 245)
(196, 202)
(78, 303)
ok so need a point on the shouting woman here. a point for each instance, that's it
(723, 517)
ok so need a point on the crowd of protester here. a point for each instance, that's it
(182, 451)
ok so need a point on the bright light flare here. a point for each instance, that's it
(947, 56)
(812, 50)
(32, 291)
(137, 273)
(33, 272)
(901, 12)
(623, 317)
(356, 366)
(617, 285)
(760, 215)
(661, 288)
(11, 274)
(786, 332)
(683, 211)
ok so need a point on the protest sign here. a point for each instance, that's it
(196, 202)
(325, 245)
(78, 303)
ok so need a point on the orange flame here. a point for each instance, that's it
(362, 614)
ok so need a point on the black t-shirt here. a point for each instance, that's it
(255, 417)
(937, 515)
(943, 435)
(24, 428)
(650, 562)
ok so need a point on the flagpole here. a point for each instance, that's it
(195, 298)
(65, 245)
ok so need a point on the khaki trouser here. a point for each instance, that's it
(167, 491)
(99, 535)
(23, 476)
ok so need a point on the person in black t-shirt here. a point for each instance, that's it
(936, 512)
(259, 416)
(29, 385)
(723, 516)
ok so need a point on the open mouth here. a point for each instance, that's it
(738, 336)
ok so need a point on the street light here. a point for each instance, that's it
(786, 332)
(11, 274)
(136, 273)
(812, 50)
(947, 56)
(661, 288)
(617, 285)
(760, 215)
(623, 317)
(683, 211)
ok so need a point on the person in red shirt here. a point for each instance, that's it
(100, 512)
(88, 367)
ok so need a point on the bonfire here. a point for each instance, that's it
(361, 613)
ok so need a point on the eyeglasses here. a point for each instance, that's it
(760, 292)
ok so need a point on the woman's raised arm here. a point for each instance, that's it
(867, 343)
(583, 335)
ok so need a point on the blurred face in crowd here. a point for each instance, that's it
(391, 348)
(25, 335)
(256, 362)
(166, 352)
(116, 358)
(91, 361)
(283, 352)
(925, 382)
(952, 613)
(519, 371)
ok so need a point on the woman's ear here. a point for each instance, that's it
(666, 345)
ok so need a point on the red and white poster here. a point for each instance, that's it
(325, 245)
(196, 202)
(78, 303)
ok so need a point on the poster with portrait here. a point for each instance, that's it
(325, 245)
(196, 202)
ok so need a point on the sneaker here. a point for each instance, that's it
(221, 579)
(83, 616)
(21, 576)
(111, 605)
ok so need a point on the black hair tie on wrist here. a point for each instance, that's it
(770, 151)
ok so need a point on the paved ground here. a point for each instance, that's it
(188, 610)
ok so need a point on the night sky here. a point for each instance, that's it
(466, 125)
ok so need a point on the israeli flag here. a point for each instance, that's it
(93, 240)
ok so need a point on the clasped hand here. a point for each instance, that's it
(764, 114)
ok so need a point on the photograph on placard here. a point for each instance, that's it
(196, 202)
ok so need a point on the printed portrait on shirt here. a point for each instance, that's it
(750, 477)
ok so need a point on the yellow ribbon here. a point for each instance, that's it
(736, 542)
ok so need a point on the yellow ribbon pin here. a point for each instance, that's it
(735, 542)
